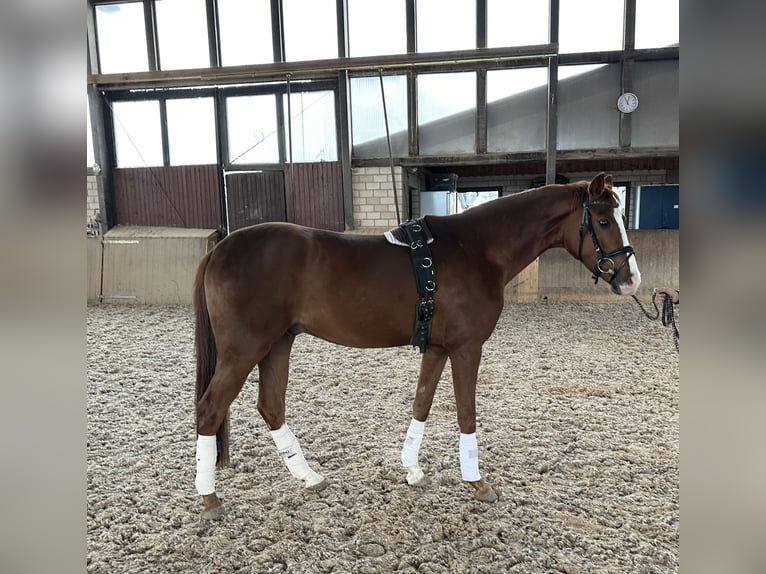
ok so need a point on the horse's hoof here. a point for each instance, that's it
(486, 495)
(483, 492)
(416, 476)
(319, 486)
(215, 513)
(424, 481)
(212, 509)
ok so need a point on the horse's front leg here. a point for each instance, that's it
(431, 367)
(465, 369)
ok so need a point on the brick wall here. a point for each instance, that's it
(92, 211)
(374, 210)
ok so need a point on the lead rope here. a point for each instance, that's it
(668, 316)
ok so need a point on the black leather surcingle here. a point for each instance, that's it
(425, 280)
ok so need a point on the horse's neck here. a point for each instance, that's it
(524, 226)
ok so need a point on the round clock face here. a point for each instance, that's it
(627, 102)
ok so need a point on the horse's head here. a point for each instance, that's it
(602, 244)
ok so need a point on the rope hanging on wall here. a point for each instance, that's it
(390, 153)
(290, 146)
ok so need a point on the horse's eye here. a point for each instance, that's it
(603, 222)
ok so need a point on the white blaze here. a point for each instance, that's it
(632, 287)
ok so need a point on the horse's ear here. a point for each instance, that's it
(608, 181)
(596, 187)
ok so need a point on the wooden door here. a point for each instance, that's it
(254, 197)
(314, 195)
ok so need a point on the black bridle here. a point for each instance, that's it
(605, 263)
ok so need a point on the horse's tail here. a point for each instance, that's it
(204, 343)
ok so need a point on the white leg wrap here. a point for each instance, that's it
(206, 455)
(290, 451)
(469, 457)
(412, 441)
(411, 450)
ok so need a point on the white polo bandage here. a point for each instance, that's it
(469, 457)
(290, 451)
(206, 455)
(411, 448)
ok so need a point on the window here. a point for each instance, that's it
(182, 34)
(245, 27)
(466, 199)
(312, 122)
(366, 21)
(311, 30)
(517, 107)
(656, 23)
(657, 207)
(368, 128)
(516, 22)
(655, 121)
(570, 71)
(447, 112)
(621, 189)
(252, 128)
(590, 25)
(587, 111)
(444, 25)
(121, 34)
(191, 131)
(137, 133)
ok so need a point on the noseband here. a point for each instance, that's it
(605, 263)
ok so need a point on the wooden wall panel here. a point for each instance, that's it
(152, 265)
(255, 198)
(560, 277)
(93, 265)
(172, 196)
(315, 195)
(187, 196)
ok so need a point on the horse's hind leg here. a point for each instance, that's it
(272, 389)
(431, 367)
(230, 375)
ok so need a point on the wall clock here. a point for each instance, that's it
(627, 102)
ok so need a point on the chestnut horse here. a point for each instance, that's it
(263, 285)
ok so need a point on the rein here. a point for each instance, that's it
(668, 315)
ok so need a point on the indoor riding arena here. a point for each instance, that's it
(335, 122)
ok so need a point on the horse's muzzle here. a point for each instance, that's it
(630, 288)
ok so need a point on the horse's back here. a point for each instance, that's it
(347, 288)
(295, 251)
